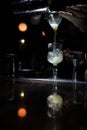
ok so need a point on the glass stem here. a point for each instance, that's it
(55, 77)
(74, 77)
(55, 71)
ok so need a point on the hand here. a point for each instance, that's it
(77, 14)
(69, 55)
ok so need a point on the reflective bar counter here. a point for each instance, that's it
(23, 104)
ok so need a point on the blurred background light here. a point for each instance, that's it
(22, 27)
(22, 94)
(22, 112)
(22, 41)
(43, 33)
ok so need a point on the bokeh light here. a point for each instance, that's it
(22, 112)
(22, 26)
(43, 33)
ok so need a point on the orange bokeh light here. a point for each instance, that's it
(43, 33)
(22, 27)
(22, 112)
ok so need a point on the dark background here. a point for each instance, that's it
(73, 116)
(9, 21)
(34, 54)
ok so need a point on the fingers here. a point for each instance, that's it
(67, 15)
(82, 7)
(76, 11)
